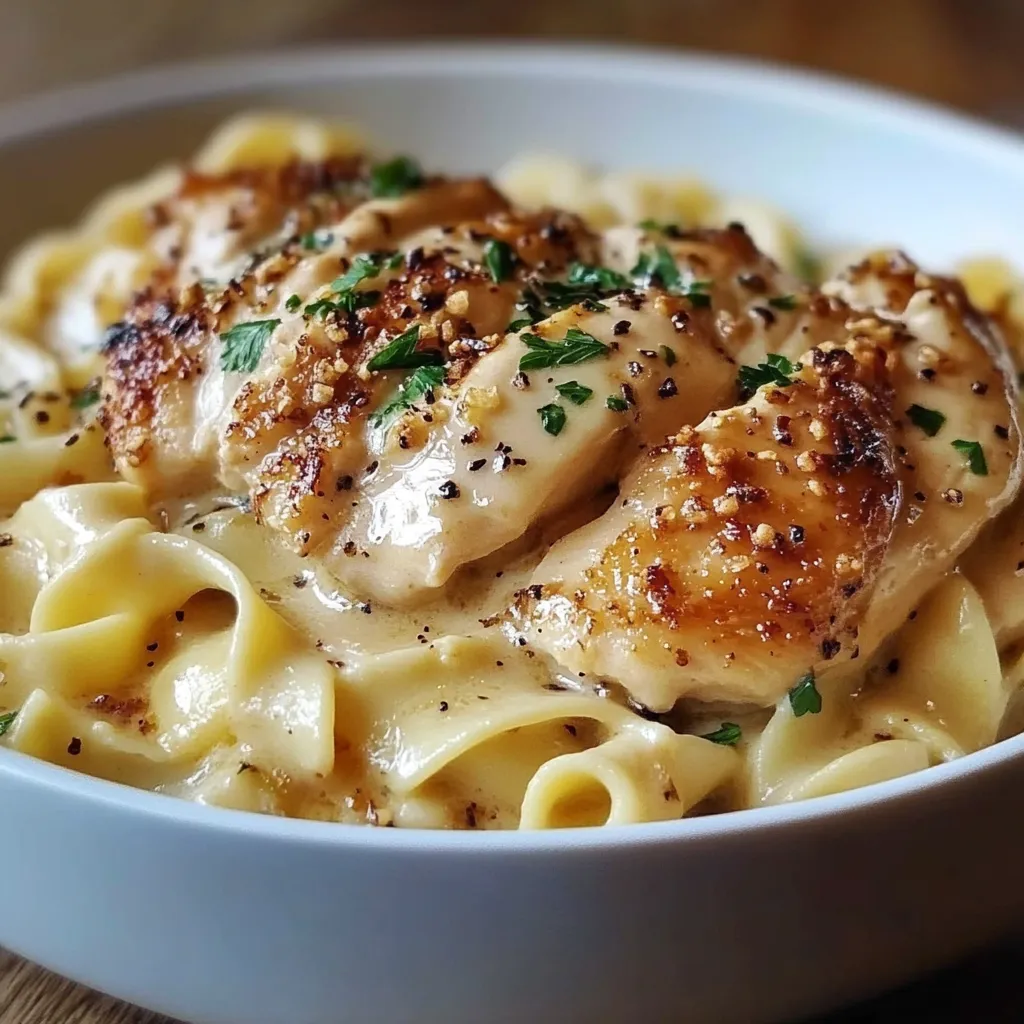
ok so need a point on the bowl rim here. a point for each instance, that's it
(167, 85)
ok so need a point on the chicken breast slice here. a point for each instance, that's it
(525, 435)
(797, 529)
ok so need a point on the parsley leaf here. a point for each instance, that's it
(727, 734)
(500, 259)
(775, 370)
(650, 224)
(89, 395)
(395, 177)
(7, 439)
(314, 240)
(292, 303)
(616, 404)
(929, 420)
(804, 698)
(7, 720)
(975, 455)
(363, 266)
(244, 344)
(416, 385)
(577, 347)
(400, 353)
(669, 355)
(517, 325)
(660, 269)
(552, 418)
(783, 302)
(576, 392)
(604, 278)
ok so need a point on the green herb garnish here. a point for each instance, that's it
(975, 455)
(576, 392)
(89, 395)
(292, 303)
(659, 268)
(415, 386)
(314, 240)
(669, 355)
(577, 347)
(604, 278)
(616, 404)
(552, 418)
(775, 370)
(365, 266)
(518, 325)
(244, 344)
(395, 178)
(7, 720)
(728, 734)
(500, 259)
(653, 225)
(7, 439)
(929, 420)
(401, 354)
(804, 698)
(787, 302)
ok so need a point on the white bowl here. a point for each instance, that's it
(230, 918)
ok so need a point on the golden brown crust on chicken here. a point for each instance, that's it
(750, 540)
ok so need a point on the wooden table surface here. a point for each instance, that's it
(966, 54)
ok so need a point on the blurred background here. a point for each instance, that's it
(966, 53)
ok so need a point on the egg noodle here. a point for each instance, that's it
(175, 642)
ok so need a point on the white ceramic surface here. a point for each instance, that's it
(228, 918)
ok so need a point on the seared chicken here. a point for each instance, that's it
(405, 380)
(799, 528)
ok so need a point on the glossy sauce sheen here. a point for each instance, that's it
(473, 516)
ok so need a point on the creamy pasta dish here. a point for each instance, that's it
(332, 488)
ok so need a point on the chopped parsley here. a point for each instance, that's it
(775, 370)
(804, 698)
(7, 720)
(728, 734)
(783, 302)
(552, 418)
(975, 455)
(929, 420)
(500, 259)
(7, 439)
(669, 355)
(650, 224)
(343, 302)
(616, 404)
(576, 392)
(395, 177)
(316, 240)
(519, 325)
(365, 266)
(660, 268)
(292, 303)
(244, 344)
(603, 278)
(400, 353)
(577, 347)
(415, 386)
(89, 395)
